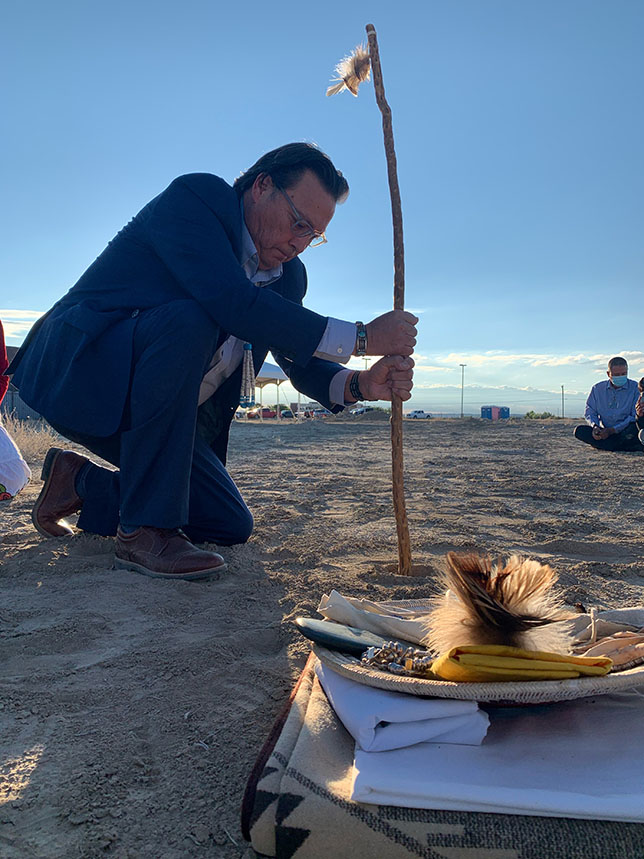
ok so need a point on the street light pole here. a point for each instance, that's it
(462, 366)
(562, 402)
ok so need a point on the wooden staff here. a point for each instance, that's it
(400, 511)
(351, 72)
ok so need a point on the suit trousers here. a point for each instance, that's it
(626, 440)
(168, 477)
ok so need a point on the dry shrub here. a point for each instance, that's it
(34, 438)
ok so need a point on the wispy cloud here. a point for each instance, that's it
(496, 358)
(16, 323)
(431, 368)
(482, 388)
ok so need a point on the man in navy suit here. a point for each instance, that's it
(140, 362)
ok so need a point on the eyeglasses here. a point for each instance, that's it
(301, 227)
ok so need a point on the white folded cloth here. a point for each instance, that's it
(582, 758)
(379, 720)
(389, 619)
(14, 471)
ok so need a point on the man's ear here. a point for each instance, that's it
(262, 185)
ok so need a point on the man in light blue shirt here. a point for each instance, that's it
(610, 411)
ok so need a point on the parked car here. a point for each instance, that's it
(361, 410)
(253, 414)
(321, 413)
(286, 413)
(418, 413)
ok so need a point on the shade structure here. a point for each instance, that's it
(270, 374)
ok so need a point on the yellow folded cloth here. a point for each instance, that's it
(487, 662)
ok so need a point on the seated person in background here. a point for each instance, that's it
(639, 410)
(14, 471)
(610, 411)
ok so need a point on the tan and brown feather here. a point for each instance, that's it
(512, 604)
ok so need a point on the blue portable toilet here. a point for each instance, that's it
(504, 413)
(486, 412)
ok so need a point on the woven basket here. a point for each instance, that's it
(509, 693)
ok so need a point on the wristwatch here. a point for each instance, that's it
(361, 339)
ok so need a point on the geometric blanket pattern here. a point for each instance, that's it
(297, 806)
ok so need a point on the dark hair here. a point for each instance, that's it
(617, 362)
(286, 164)
(640, 384)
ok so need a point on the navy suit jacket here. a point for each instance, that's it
(75, 366)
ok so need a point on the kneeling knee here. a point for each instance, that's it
(232, 532)
(246, 527)
(243, 528)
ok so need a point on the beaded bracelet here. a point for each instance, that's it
(354, 386)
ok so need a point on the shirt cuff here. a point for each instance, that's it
(338, 341)
(337, 386)
(621, 425)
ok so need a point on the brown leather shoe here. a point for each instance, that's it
(165, 553)
(58, 497)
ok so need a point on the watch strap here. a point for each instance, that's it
(361, 339)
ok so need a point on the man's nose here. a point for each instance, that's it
(300, 243)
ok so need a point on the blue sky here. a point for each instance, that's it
(519, 134)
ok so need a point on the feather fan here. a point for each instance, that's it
(488, 604)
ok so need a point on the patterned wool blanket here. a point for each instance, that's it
(297, 805)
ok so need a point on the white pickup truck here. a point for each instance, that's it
(418, 413)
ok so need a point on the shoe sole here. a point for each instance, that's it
(45, 475)
(120, 564)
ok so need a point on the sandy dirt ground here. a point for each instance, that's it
(132, 709)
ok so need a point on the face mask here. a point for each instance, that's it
(619, 381)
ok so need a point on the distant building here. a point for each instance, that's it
(495, 413)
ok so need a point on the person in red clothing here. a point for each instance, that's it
(14, 471)
(4, 363)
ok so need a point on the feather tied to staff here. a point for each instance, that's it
(351, 71)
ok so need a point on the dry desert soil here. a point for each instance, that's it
(132, 709)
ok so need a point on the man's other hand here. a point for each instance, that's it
(388, 376)
(393, 333)
(601, 433)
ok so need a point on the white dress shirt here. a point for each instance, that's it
(337, 342)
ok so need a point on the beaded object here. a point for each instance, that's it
(247, 394)
(398, 659)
